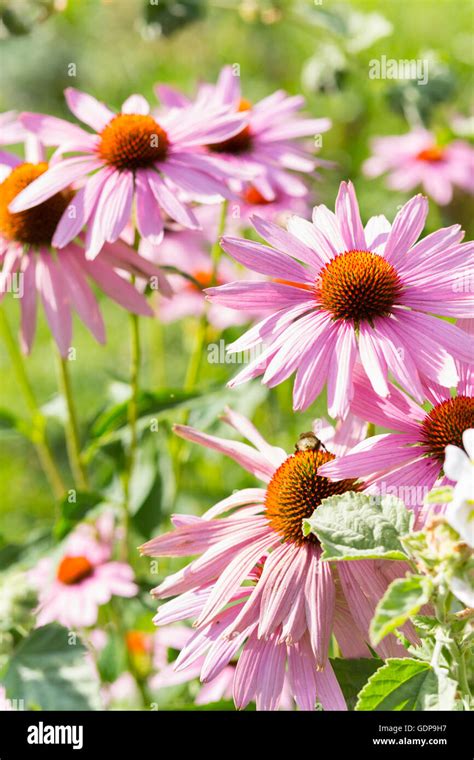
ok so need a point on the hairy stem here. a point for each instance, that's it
(72, 427)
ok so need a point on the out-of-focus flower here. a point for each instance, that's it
(459, 467)
(130, 156)
(31, 266)
(293, 603)
(122, 691)
(72, 589)
(252, 201)
(416, 159)
(342, 293)
(190, 252)
(268, 144)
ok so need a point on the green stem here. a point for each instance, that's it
(160, 353)
(72, 428)
(192, 372)
(370, 430)
(195, 359)
(38, 437)
(135, 360)
(463, 679)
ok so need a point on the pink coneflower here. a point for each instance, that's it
(72, 590)
(294, 601)
(31, 265)
(417, 160)
(267, 145)
(341, 292)
(131, 155)
(411, 459)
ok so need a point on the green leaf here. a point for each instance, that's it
(360, 526)
(441, 495)
(10, 423)
(404, 685)
(50, 670)
(113, 658)
(171, 15)
(28, 551)
(331, 20)
(149, 404)
(352, 675)
(402, 599)
(73, 509)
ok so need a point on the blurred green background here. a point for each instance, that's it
(124, 46)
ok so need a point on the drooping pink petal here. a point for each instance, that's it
(28, 305)
(121, 291)
(282, 581)
(328, 690)
(81, 296)
(56, 306)
(79, 209)
(340, 390)
(170, 203)
(149, 220)
(271, 674)
(320, 600)
(302, 674)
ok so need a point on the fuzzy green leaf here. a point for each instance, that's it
(404, 685)
(360, 526)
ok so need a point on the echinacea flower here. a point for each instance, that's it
(31, 265)
(459, 467)
(72, 590)
(268, 144)
(412, 459)
(130, 156)
(417, 160)
(261, 585)
(341, 292)
(251, 201)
